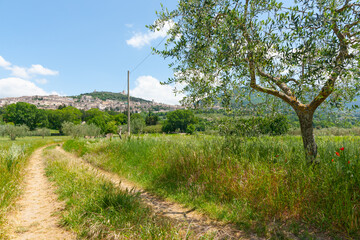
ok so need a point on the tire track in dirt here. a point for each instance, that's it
(35, 213)
(196, 222)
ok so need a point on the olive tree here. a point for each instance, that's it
(80, 130)
(14, 131)
(303, 52)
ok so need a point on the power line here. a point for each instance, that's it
(145, 58)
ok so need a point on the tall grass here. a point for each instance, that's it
(96, 209)
(13, 157)
(250, 182)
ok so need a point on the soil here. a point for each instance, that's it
(35, 216)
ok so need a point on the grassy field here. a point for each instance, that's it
(96, 209)
(13, 158)
(260, 184)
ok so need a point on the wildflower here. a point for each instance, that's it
(348, 162)
(277, 156)
(332, 160)
(342, 149)
(338, 154)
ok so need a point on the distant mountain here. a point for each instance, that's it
(102, 95)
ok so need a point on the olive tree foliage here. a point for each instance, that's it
(14, 131)
(80, 130)
(304, 52)
(41, 132)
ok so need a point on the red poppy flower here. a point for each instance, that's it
(342, 149)
(348, 162)
(332, 160)
(337, 154)
(277, 156)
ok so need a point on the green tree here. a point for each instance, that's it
(42, 132)
(70, 114)
(99, 118)
(54, 118)
(179, 119)
(151, 119)
(22, 113)
(137, 123)
(120, 119)
(304, 54)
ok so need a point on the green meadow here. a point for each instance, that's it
(260, 184)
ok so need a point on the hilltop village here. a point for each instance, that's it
(86, 102)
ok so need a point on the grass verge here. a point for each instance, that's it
(252, 183)
(96, 209)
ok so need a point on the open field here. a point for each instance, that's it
(260, 184)
(13, 159)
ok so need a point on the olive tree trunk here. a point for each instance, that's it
(307, 134)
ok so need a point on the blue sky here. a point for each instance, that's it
(70, 47)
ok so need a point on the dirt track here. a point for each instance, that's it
(34, 216)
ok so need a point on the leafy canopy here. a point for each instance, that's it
(300, 52)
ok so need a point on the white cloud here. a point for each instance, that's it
(26, 73)
(19, 84)
(37, 69)
(20, 72)
(4, 63)
(41, 81)
(149, 88)
(139, 40)
(16, 87)
(129, 25)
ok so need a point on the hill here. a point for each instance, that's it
(103, 95)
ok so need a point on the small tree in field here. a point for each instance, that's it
(42, 132)
(14, 131)
(80, 130)
(301, 52)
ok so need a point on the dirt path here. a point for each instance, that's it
(34, 217)
(197, 222)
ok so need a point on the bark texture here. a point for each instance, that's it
(307, 133)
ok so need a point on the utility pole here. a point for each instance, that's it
(128, 107)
